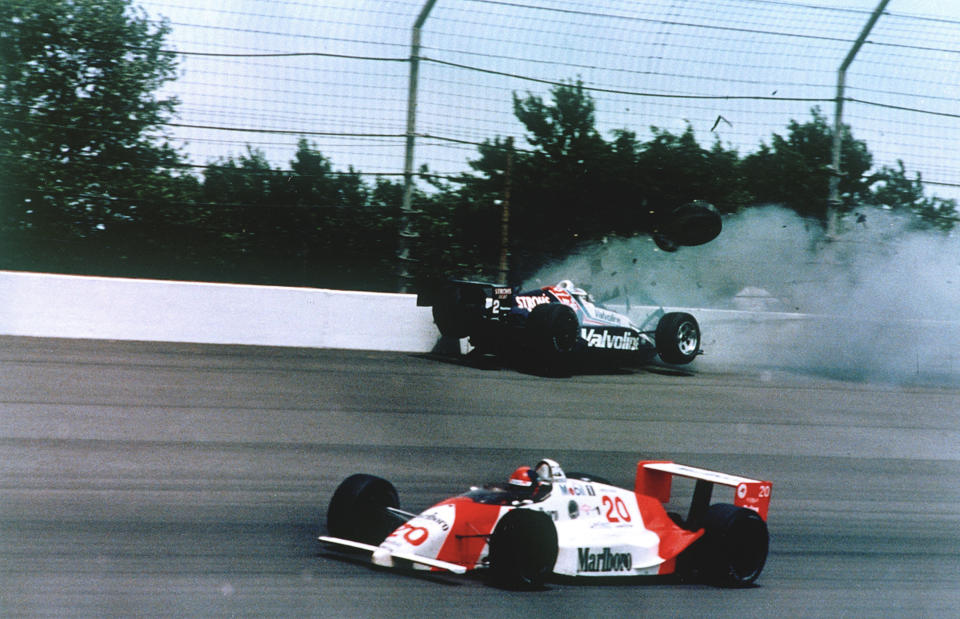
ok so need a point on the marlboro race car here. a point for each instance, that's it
(543, 523)
(553, 324)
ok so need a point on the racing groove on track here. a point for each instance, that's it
(173, 479)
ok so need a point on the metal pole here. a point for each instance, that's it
(505, 217)
(834, 204)
(408, 230)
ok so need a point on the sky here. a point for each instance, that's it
(734, 70)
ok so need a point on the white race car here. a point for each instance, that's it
(543, 522)
(553, 325)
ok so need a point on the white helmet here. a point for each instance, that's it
(570, 287)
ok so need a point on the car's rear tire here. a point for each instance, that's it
(358, 509)
(553, 330)
(678, 338)
(523, 550)
(734, 548)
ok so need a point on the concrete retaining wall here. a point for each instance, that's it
(128, 309)
(65, 306)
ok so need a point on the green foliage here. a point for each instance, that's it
(309, 226)
(795, 170)
(564, 174)
(574, 186)
(893, 190)
(675, 170)
(90, 183)
(77, 114)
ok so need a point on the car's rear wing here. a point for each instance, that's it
(435, 292)
(654, 478)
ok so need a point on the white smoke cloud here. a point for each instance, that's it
(885, 294)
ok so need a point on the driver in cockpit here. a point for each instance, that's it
(525, 482)
(581, 294)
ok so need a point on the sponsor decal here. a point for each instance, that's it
(607, 315)
(437, 519)
(502, 292)
(601, 338)
(574, 509)
(413, 535)
(564, 297)
(603, 561)
(578, 490)
(530, 302)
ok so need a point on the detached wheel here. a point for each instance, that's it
(734, 548)
(678, 338)
(358, 509)
(523, 550)
(553, 330)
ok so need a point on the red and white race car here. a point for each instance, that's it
(544, 522)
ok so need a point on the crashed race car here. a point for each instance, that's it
(554, 324)
(545, 524)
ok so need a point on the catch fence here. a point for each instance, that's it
(267, 73)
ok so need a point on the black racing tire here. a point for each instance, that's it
(663, 242)
(553, 330)
(694, 223)
(734, 548)
(523, 550)
(457, 312)
(678, 338)
(358, 509)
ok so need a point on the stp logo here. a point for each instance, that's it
(742, 491)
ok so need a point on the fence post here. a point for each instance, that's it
(837, 172)
(505, 216)
(407, 226)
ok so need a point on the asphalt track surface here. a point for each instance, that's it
(192, 480)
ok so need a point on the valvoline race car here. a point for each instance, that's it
(543, 523)
(552, 324)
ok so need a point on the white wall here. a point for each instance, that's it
(42, 305)
(66, 306)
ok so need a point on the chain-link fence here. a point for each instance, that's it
(265, 73)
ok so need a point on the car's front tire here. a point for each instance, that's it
(553, 330)
(358, 509)
(523, 550)
(678, 338)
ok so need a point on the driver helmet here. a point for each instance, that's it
(522, 477)
(570, 287)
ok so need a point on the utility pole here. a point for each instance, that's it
(505, 217)
(408, 230)
(837, 171)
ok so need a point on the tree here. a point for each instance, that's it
(565, 172)
(893, 190)
(81, 140)
(308, 225)
(553, 183)
(795, 170)
(675, 169)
